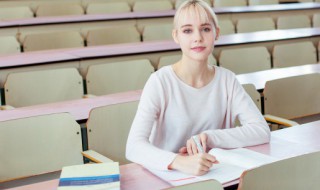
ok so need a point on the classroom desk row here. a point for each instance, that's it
(80, 108)
(264, 38)
(285, 143)
(233, 13)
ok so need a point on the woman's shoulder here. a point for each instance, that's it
(163, 72)
(225, 73)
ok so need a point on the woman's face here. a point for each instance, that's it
(195, 35)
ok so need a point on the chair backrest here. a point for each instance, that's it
(263, 2)
(301, 172)
(53, 40)
(293, 97)
(59, 9)
(9, 45)
(10, 13)
(39, 144)
(245, 60)
(316, 20)
(294, 54)
(171, 59)
(106, 8)
(113, 35)
(154, 5)
(254, 94)
(202, 185)
(43, 86)
(116, 77)
(293, 21)
(108, 128)
(179, 2)
(158, 31)
(226, 27)
(255, 24)
(233, 3)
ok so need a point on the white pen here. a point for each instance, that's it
(197, 141)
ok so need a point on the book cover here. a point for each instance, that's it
(232, 163)
(90, 176)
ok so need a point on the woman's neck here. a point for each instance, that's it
(194, 73)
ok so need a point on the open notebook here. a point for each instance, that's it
(232, 163)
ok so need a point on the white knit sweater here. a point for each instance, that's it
(170, 112)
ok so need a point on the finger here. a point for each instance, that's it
(183, 150)
(194, 147)
(189, 149)
(211, 158)
(203, 140)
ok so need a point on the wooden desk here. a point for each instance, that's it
(79, 109)
(259, 79)
(285, 143)
(264, 38)
(233, 13)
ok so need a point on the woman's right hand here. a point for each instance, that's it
(197, 164)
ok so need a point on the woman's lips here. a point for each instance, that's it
(198, 48)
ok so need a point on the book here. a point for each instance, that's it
(232, 163)
(90, 176)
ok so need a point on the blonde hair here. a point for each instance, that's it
(202, 8)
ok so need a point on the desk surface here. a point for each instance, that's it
(79, 109)
(259, 79)
(156, 14)
(284, 143)
(51, 56)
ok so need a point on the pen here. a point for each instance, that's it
(197, 141)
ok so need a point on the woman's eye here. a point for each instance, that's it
(207, 29)
(187, 31)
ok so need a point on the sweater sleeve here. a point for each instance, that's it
(253, 130)
(139, 148)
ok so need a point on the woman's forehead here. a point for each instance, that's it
(192, 14)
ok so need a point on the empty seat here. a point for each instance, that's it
(154, 5)
(157, 32)
(179, 2)
(294, 54)
(300, 172)
(263, 2)
(113, 35)
(255, 24)
(53, 40)
(316, 20)
(108, 128)
(245, 60)
(118, 76)
(293, 21)
(226, 27)
(9, 45)
(293, 97)
(109, 7)
(38, 145)
(10, 13)
(171, 59)
(43, 86)
(233, 3)
(59, 9)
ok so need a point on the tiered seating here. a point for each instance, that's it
(10, 13)
(108, 8)
(108, 128)
(255, 24)
(118, 76)
(245, 60)
(293, 54)
(293, 21)
(39, 144)
(9, 45)
(45, 86)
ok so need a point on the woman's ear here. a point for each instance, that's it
(174, 35)
(217, 33)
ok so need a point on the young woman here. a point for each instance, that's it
(192, 98)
